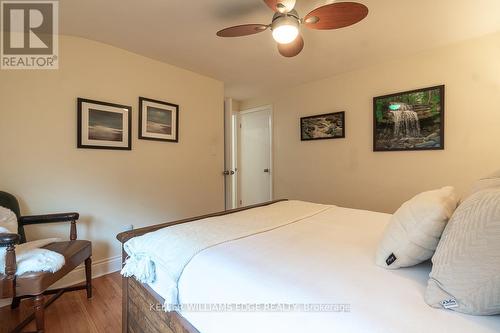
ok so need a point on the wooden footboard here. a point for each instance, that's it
(142, 307)
(143, 312)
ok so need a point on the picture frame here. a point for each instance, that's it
(410, 121)
(158, 120)
(323, 126)
(103, 125)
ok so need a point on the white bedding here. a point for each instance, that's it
(171, 249)
(324, 259)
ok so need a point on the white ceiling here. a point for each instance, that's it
(182, 33)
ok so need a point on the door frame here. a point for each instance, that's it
(236, 144)
(230, 157)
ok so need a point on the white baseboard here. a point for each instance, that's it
(99, 268)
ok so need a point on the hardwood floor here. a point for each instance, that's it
(73, 312)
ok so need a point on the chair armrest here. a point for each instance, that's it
(7, 283)
(49, 218)
(52, 218)
(8, 240)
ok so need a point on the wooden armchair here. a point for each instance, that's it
(35, 285)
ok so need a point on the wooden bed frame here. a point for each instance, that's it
(141, 306)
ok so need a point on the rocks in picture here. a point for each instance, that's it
(325, 126)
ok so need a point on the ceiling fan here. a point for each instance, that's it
(286, 22)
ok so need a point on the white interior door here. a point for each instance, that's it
(255, 160)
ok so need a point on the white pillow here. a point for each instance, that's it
(415, 229)
(465, 274)
(8, 220)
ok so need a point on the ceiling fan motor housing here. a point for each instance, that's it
(291, 16)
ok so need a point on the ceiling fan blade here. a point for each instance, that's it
(281, 6)
(242, 30)
(292, 49)
(336, 15)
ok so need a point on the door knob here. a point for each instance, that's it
(266, 170)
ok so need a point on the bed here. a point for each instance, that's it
(315, 273)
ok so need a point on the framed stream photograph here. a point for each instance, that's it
(323, 126)
(411, 120)
(103, 125)
(158, 120)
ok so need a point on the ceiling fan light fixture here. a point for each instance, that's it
(285, 29)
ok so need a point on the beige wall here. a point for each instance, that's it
(346, 172)
(154, 182)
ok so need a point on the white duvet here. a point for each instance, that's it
(170, 249)
(327, 258)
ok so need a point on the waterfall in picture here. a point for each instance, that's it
(406, 123)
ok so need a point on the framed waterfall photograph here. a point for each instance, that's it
(158, 120)
(411, 120)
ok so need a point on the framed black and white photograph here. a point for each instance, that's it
(158, 120)
(323, 127)
(103, 125)
(410, 120)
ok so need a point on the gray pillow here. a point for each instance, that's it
(491, 181)
(465, 275)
